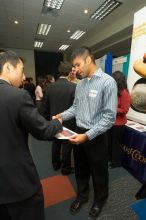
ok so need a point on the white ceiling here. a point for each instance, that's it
(71, 16)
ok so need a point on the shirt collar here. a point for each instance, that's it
(98, 72)
(62, 77)
(2, 81)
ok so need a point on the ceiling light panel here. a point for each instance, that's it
(16, 22)
(85, 11)
(77, 34)
(64, 47)
(105, 9)
(38, 44)
(43, 29)
(55, 4)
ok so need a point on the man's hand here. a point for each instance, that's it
(78, 139)
(58, 117)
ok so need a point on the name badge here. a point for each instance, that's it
(93, 93)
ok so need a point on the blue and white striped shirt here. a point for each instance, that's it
(95, 104)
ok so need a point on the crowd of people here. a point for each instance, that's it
(83, 99)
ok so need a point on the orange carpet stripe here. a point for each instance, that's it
(57, 189)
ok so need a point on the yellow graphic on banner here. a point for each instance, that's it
(135, 154)
(140, 30)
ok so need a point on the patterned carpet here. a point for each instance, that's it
(60, 190)
(121, 196)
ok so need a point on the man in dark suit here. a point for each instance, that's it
(59, 96)
(21, 196)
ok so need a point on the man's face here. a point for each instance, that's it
(16, 74)
(73, 72)
(81, 65)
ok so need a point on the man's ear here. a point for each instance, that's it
(6, 67)
(88, 60)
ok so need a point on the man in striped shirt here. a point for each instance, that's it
(94, 108)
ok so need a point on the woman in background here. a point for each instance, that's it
(116, 132)
(50, 78)
(39, 91)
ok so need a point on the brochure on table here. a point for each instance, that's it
(136, 126)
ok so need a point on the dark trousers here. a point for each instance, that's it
(91, 159)
(29, 209)
(115, 135)
(61, 153)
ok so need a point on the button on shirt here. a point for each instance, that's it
(95, 104)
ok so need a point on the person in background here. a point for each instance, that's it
(30, 87)
(31, 81)
(48, 79)
(94, 108)
(24, 83)
(39, 91)
(72, 76)
(21, 196)
(116, 132)
(59, 96)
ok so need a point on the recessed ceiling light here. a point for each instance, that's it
(38, 44)
(77, 34)
(55, 4)
(68, 31)
(85, 11)
(43, 29)
(16, 22)
(105, 9)
(63, 47)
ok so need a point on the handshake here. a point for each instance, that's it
(58, 117)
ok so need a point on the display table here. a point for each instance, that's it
(134, 153)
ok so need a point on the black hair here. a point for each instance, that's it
(49, 78)
(2, 50)
(8, 56)
(83, 51)
(120, 80)
(40, 81)
(65, 68)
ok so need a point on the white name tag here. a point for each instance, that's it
(93, 93)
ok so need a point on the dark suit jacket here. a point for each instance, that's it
(59, 96)
(18, 116)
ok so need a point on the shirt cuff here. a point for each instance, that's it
(91, 134)
(63, 116)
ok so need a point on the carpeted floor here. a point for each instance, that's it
(121, 196)
(60, 190)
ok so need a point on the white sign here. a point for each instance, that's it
(138, 49)
(100, 63)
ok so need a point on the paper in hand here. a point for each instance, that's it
(65, 134)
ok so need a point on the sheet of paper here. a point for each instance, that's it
(137, 126)
(65, 134)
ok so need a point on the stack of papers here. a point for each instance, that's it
(136, 126)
